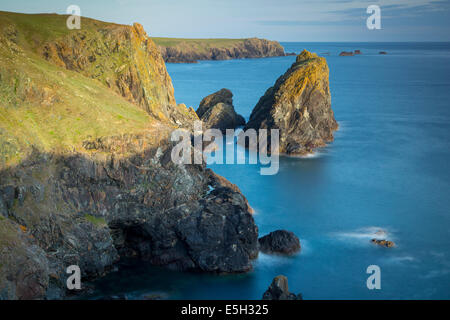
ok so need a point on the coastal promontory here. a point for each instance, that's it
(299, 105)
(175, 50)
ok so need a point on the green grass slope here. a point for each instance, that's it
(49, 107)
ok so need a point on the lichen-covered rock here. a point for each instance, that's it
(279, 290)
(281, 242)
(299, 105)
(383, 243)
(217, 111)
(88, 210)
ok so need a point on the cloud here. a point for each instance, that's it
(341, 12)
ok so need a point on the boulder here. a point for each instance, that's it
(217, 111)
(382, 52)
(280, 241)
(346, 53)
(299, 105)
(358, 52)
(279, 290)
(383, 243)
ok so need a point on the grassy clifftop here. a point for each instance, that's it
(190, 50)
(60, 87)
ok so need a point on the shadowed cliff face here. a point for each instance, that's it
(299, 105)
(89, 209)
(192, 50)
(217, 111)
(124, 59)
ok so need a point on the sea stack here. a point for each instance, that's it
(279, 290)
(299, 105)
(217, 111)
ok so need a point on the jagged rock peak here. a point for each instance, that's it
(299, 105)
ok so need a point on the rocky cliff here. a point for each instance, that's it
(299, 105)
(192, 50)
(86, 175)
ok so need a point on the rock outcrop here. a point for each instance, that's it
(217, 111)
(346, 54)
(280, 242)
(299, 105)
(279, 290)
(383, 243)
(192, 50)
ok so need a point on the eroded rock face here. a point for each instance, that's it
(89, 209)
(279, 290)
(299, 105)
(217, 111)
(125, 59)
(280, 242)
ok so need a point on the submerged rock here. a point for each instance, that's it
(382, 52)
(280, 241)
(217, 111)
(279, 290)
(383, 243)
(358, 52)
(346, 53)
(299, 105)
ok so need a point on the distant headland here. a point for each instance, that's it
(179, 50)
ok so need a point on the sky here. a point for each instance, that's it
(282, 20)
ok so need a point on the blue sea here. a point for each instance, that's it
(388, 169)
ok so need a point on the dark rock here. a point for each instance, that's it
(217, 111)
(346, 53)
(383, 243)
(279, 290)
(183, 217)
(358, 52)
(382, 52)
(280, 241)
(299, 105)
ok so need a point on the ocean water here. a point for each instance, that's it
(388, 169)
